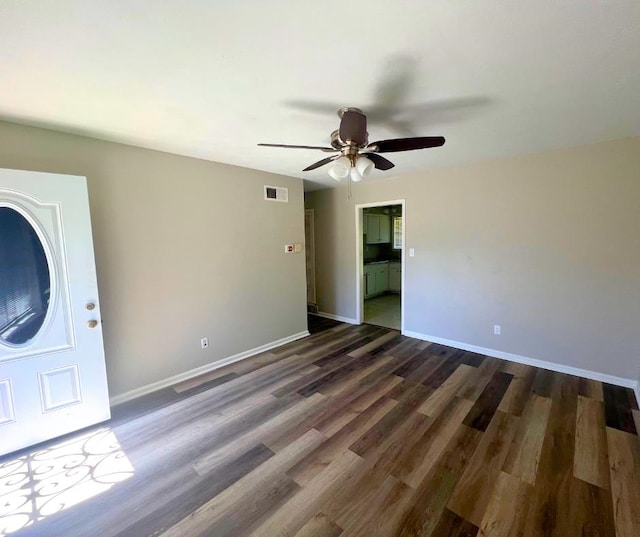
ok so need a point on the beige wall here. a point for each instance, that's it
(546, 245)
(185, 248)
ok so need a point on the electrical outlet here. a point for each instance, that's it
(204, 342)
(497, 329)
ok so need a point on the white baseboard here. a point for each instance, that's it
(637, 390)
(333, 317)
(559, 368)
(181, 377)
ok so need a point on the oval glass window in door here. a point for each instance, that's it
(25, 280)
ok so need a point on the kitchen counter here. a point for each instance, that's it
(380, 262)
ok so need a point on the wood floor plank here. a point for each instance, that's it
(319, 526)
(519, 391)
(432, 495)
(591, 459)
(375, 437)
(421, 361)
(475, 386)
(516, 369)
(378, 342)
(175, 503)
(219, 516)
(619, 404)
(314, 463)
(507, 508)
(379, 512)
(330, 425)
(591, 510)
(543, 382)
(434, 379)
(523, 457)
(443, 396)
(408, 348)
(333, 410)
(257, 435)
(451, 524)
(590, 388)
(354, 365)
(417, 464)
(290, 518)
(472, 493)
(551, 495)
(383, 455)
(624, 465)
(350, 378)
(487, 403)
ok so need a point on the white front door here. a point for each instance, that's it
(52, 371)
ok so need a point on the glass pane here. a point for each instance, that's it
(397, 232)
(24, 279)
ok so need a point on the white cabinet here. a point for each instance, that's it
(376, 279)
(382, 278)
(369, 281)
(377, 228)
(385, 229)
(395, 276)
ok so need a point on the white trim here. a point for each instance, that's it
(360, 262)
(560, 368)
(181, 377)
(637, 392)
(310, 248)
(333, 317)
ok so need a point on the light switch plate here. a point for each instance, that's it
(297, 247)
(412, 252)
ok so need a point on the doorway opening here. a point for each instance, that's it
(380, 246)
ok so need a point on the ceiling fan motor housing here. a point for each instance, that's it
(353, 127)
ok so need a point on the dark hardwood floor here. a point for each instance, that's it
(353, 431)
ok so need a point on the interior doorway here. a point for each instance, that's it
(380, 255)
(310, 260)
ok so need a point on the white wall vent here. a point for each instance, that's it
(276, 193)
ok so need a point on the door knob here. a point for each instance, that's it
(91, 306)
(92, 323)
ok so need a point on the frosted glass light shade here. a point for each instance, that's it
(364, 166)
(340, 168)
(355, 175)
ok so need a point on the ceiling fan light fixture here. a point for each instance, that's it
(355, 175)
(364, 166)
(340, 168)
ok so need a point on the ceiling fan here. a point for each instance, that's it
(355, 157)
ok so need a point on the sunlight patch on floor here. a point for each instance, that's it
(47, 481)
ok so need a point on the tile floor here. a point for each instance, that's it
(383, 310)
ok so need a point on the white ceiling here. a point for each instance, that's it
(211, 79)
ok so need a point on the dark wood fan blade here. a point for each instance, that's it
(407, 144)
(353, 127)
(320, 163)
(379, 162)
(325, 149)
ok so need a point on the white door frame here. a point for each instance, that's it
(310, 248)
(360, 259)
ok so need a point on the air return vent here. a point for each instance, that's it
(276, 193)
